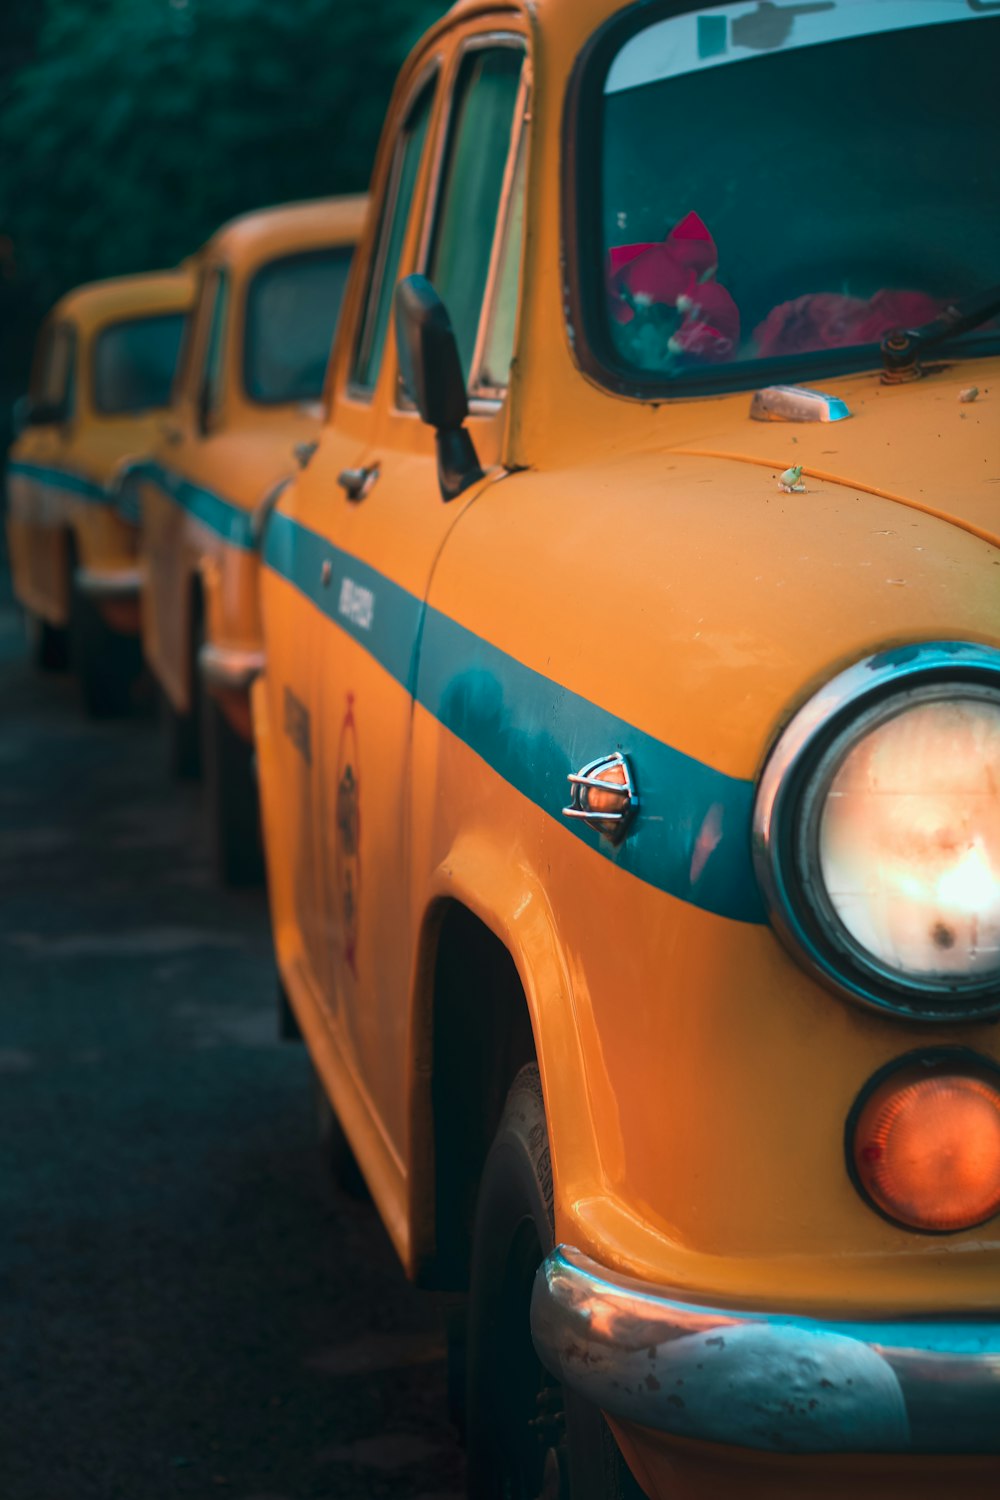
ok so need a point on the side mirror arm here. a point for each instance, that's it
(42, 414)
(458, 461)
(204, 410)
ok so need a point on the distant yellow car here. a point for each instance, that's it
(248, 398)
(629, 738)
(102, 373)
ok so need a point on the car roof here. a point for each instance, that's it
(574, 15)
(99, 302)
(266, 232)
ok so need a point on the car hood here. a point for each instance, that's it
(677, 586)
(919, 444)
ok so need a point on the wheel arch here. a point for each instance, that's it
(492, 992)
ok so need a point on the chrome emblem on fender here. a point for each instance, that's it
(604, 796)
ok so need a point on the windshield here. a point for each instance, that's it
(292, 310)
(780, 181)
(134, 364)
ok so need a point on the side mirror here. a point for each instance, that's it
(432, 373)
(20, 415)
(45, 413)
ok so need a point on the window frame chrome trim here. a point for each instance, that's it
(483, 400)
(518, 140)
(431, 74)
(783, 788)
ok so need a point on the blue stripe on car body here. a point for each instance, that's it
(231, 522)
(691, 837)
(63, 479)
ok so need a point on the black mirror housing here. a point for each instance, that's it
(20, 415)
(45, 413)
(428, 355)
(431, 369)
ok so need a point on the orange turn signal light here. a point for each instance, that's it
(926, 1148)
(613, 799)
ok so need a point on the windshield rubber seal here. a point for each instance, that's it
(588, 327)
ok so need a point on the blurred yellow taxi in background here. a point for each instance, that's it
(248, 397)
(629, 739)
(102, 374)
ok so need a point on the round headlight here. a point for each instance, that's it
(877, 831)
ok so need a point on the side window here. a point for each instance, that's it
(475, 247)
(133, 363)
(395, 214)
(210, 385)
(291, 313)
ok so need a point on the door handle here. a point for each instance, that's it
(357, 483)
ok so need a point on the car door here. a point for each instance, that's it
(296, 586)
(384, 523)
(194, 417)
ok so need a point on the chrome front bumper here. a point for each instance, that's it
(228, 667)
(769, 1381)
(109, 583)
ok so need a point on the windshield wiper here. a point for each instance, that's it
(902, 347)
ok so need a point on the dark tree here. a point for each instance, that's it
(130, 129)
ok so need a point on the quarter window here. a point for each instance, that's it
(498, 341)
(395, 214)
(479, 163)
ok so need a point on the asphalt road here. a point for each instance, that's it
(187, 1306)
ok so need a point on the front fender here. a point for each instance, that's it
(508, 897)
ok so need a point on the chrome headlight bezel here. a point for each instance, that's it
(788, 807)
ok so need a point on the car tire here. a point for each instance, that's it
(232, 803)
(528, 1438)
(180, 733)
(288, 1022)
(336, 1155)
(106, 662)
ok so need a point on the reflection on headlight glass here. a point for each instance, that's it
(909, 840)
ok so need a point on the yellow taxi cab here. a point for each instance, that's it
(102, 373)
(247, 397)
(630, 730)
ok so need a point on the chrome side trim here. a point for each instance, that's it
(614, 823)
(109, 583)
(849, 699)
(775, 1382)
(228, 667)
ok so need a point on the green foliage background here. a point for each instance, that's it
(130, 129)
